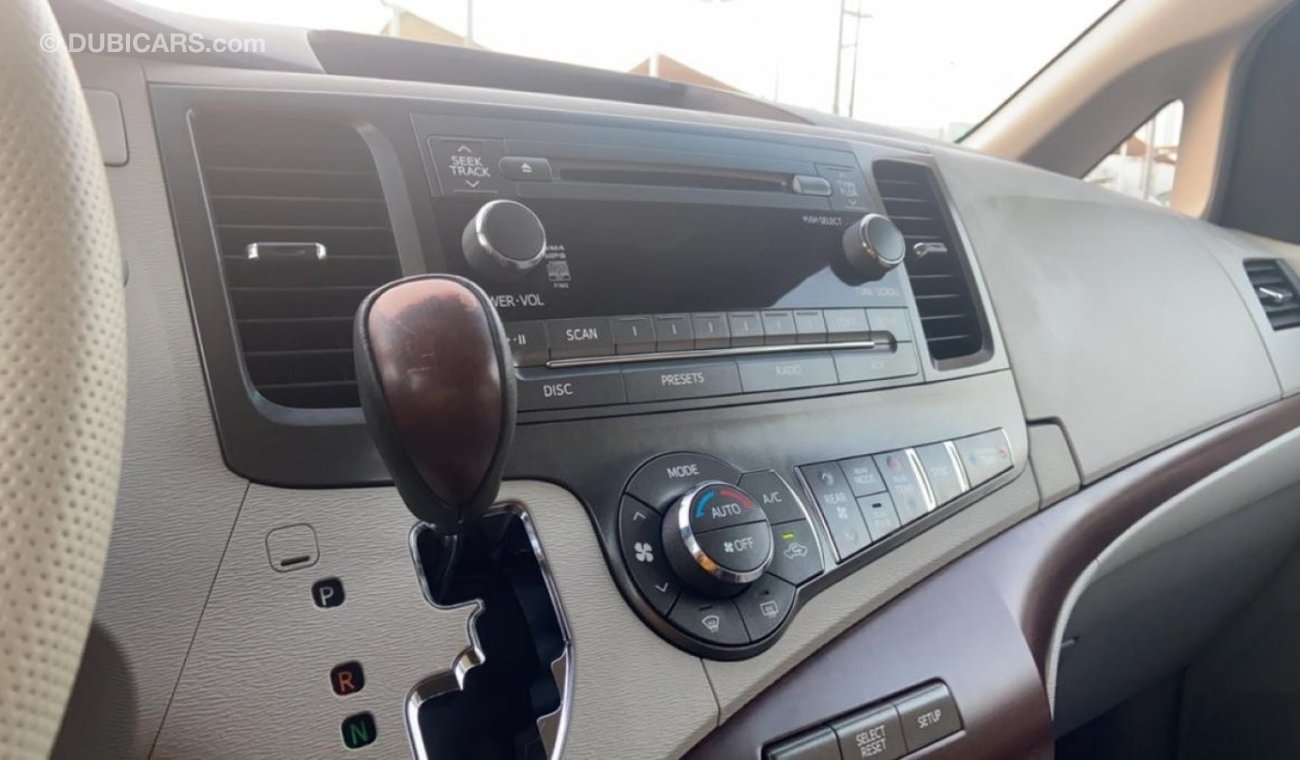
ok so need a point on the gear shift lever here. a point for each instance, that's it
(438, 390)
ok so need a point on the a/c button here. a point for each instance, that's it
(545, 389)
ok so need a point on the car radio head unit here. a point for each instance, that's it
(607, 258)
(693, 272)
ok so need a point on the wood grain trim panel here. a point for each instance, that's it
(984, 624)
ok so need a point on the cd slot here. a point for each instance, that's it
(662, 175)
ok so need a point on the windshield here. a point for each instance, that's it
(934, 67)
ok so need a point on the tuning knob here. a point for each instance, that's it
(504, 240)
(874, 245)
(717, 539)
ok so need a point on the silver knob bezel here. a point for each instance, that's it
(697, 554)
(518, 266)
(870, 253)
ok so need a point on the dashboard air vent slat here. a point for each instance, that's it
(940, 282)
(271, 179)
(1277, 289)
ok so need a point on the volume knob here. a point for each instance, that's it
(874, 245)
(504, 240)
(717, 539)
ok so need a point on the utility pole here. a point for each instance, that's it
(469, 23)
(852, 10)
(394, 17)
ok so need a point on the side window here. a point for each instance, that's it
(1143, 166)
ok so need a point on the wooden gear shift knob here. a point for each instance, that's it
(438, 389)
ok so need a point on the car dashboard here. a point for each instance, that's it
(929, 453)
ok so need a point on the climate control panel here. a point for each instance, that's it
(722, 557)
(717, 552)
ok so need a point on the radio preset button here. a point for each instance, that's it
(668, 476)
(809, 326)
(763, 373)
(564, 390)
(581, 337)
(682, 381)
(528, 342)
(778, 327)
(711, 331)
(846, 324)
(859, 364)
(896, 322)
(746, 328)
(633, 335)
(673, 332)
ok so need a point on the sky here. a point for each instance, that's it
(925, 65)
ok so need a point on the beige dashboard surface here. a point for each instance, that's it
(1119, 322)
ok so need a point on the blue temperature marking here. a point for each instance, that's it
(705, 499)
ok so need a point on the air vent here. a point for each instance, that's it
(1277, 289)
(303, 235)
(935, 265)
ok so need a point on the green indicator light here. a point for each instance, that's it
(788, 535)
(358, 730)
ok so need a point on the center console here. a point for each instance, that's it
(760, 360)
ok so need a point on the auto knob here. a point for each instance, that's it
(717, 539)
(873, 245)
(504, 240)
